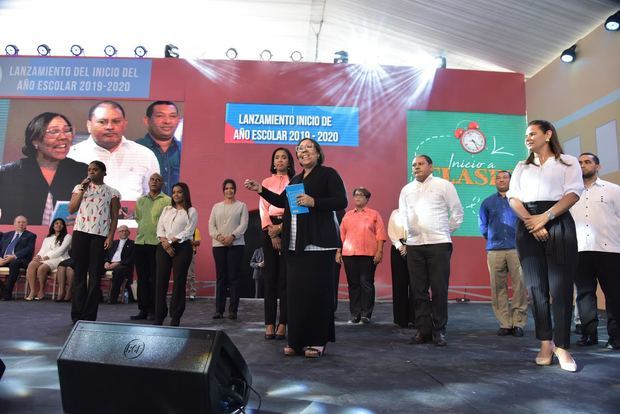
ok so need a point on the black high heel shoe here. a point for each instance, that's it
(268, 335)
(280, 336)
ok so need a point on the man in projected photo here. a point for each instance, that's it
(129, 165)
(162, 119)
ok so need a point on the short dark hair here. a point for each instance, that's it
(503, 171)
(187, 198)
(426, 157)
(113, 104)
(100, 164)
(594, 157)
(290, 171)
(362, 190)
(151, 107)
(229, 181)
(318, 148)
(35, 131)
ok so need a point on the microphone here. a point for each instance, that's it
(85, 183)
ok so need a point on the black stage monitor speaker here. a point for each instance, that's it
(123, 368)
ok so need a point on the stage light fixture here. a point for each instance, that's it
(231, 53)
(296, 56)
(77, 50)
(440, 62)
(110, 51)
(171, 51)
(266, 55)
(140, 51)
(43, 50)
(569, 55)
(11, 50)
(341, 57)
(612, 23)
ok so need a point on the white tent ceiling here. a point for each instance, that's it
(507, 35)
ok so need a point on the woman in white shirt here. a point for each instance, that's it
(227, 224)
(55, 249)
(542, 189)
(175, 231)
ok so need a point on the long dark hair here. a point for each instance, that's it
(35, 131)
(290, 170)
(187, 198)
(61, 236)
(554, 141)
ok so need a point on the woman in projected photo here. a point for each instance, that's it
(309, 241)
(45, 176)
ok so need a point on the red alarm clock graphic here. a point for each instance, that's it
(472, 139)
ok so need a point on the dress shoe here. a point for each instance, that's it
(140, 316)
(517, 331)
(612, 345)
(355, 319)
(587, 340)
(232, 316)
(545, 360)
(175, 322)
(191, 298)
(566, 364)
(504, 331)
(365, 319)
(419, 339)
(217, 315)
(579, 329)
(280, 332)
(439, 339)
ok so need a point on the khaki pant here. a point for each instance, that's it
(500, 263)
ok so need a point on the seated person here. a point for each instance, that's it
(64, 278)
(55, 249)
(16, 248)
(119, 259)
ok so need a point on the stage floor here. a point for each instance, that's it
(370, 369)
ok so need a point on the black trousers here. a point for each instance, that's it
(14, 267)
(604, 267)
(119, 274)
(144, 257)
(227, 267)
(429, 266)
(402, 293)
(549, 270)
(274, 277)
(179, 264)
(89, 255)
(360, 272)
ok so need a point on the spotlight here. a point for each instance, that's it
(440, 62)
(77, 50)
(110, 51)
(296, 56)
(613, 22)
(266, 55)
(171, 51)
(43, 50)
(341, 57)
(140, 51)
(569, 55)
(231, 53)
(11, 50)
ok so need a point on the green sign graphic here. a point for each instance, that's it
(467, 149)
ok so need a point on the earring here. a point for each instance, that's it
(36, 147)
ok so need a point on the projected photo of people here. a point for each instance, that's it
(32, 186)
(133, 139)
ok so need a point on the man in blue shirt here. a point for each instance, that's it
(162, 119)
(497, 225)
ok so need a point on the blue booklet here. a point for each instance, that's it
(292, 191)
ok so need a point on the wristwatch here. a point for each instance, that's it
(550, 215)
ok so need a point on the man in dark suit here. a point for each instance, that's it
(17, 249)
(119, 259)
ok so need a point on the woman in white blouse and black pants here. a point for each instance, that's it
(175, 231)
(542, 189)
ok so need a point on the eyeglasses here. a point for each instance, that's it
(54, 133)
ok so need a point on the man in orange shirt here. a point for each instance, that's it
(363, 235)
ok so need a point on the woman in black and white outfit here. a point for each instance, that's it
(175, 231)
(542, 189)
